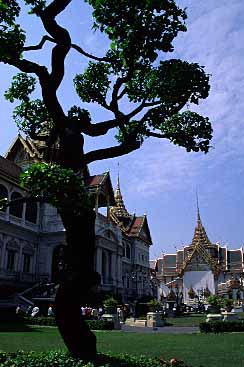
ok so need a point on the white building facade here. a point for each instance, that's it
(32, 236)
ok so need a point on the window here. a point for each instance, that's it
(31, 212)
(10, 260)
(17, 208)
(26, 264)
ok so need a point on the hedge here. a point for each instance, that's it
(222, 326)
(63, 359)
(50, 321)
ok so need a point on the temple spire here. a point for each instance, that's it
(119, 202)
(200, 236)
(199, 222)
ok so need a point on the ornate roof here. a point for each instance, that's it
(119, 209)
(130, 224)
(199, 245)
(200, 235)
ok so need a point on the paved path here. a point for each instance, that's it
(164, 329)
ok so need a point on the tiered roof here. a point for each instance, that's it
(119, 209)
(130, 224)
(200, 243)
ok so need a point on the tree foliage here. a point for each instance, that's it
(60, 187)
(132, 70)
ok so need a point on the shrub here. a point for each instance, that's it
(222, 326)
(50, 321)
(110, 302)
(155, 305)
(216, 301)
(63, 359)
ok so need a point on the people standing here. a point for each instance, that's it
(35, 311)
(50, 311)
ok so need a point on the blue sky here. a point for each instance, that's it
(161, 179)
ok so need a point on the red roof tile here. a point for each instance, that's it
(94, 180)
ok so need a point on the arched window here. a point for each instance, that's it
(17, 208)
(31, 212)
(3, 194)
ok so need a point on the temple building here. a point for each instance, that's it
(199, 270)
(32, 236)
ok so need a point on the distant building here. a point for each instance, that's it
(32, 237)
(199, 270)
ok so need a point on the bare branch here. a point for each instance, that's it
(73, 45)
(156, 135)
(100, 128)
(151, 104)
(81, 51)
(136, 110)
(111, 152)
(40, 44)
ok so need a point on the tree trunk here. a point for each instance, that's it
(76, 282)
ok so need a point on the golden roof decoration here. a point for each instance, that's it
(119, 209)
(200, 242)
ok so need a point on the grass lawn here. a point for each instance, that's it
(208, 350)
(191, 320)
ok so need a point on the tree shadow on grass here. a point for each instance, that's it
(15, 325)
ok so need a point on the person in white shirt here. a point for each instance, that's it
(35, 311)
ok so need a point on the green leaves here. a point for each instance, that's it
(92, 86)
(189, 130)
(12, 37)
(37, 6)
(134, 131)
(12, 41)
(139, 29)
(9, 10)
(21, 87)
(174, 82)
(62, 186)
(32, 117)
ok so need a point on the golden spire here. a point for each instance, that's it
(119, 208)
(200, 236)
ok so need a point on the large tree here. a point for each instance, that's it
(140, 33)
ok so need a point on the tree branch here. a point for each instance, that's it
(136, 110)
(100, 128)
(48, 92)
(111, 152)
(61, 37)
(39, 45)
(81, 51)
(73, 45)
(156, 135)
